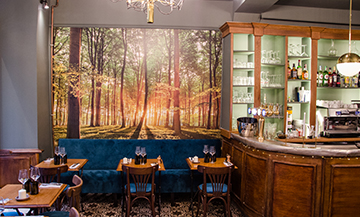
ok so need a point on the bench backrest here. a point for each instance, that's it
(106, 153)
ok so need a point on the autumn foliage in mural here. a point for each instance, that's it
(122, 83)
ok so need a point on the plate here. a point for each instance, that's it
(26, 198)
(195, 162)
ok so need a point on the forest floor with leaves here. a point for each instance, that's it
(147, 132)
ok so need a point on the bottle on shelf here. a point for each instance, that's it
(305, 73)
(320, 77)
(346, 82)
(294, 72)
(330, 78)
(299, 70)
(334, 78)
(359, 80)
(325, 78)
(355, 81)
(289, 71)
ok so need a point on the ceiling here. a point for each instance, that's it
(260, 6)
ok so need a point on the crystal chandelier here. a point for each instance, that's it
(147, 6)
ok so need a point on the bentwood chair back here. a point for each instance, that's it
(140, 183)
(53, 174)
(74, 212)
(73, 192)
(216, 185)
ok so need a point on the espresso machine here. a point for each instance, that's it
(341, 123)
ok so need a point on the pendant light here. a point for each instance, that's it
(349, 63)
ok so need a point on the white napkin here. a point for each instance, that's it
(74, 166)
(48, 160)
(153, 164)
(6, 200)
(50, 185)
(227, 164)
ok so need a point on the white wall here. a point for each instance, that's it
(18, 74)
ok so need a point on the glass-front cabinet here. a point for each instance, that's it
(282, 68)
(243, 76)
(299, 77)
(273, 81)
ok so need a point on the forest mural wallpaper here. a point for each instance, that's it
(128, 83)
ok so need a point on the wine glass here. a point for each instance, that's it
(303, 49)
(62, 153)
(2, 205)
(332, 51)
(212, 153)
(23, 176)
(34, 173)
(143, 153)
(206, 149)
(57, 150)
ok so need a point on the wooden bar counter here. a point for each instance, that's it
(294, 179)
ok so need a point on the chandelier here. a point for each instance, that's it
(147, 6)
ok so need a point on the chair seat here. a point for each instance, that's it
(209, 188)
(133, 188)
(56, 214)
(11, 213)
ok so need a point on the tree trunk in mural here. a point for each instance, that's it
(218, 49)
(210, 80)
(73, 129)
(124, 40)
(113, 108)
(169, 80)
(146, 82)
(177, 128)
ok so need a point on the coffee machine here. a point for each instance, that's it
(341, 123)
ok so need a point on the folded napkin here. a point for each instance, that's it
(227, 164)
(48, 160)
(74, 166)
(153, 164)
(6, 200)
(50, 185)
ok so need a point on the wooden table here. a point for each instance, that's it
(45, 198)
(79, 169)
(148, 164)
(193, 167)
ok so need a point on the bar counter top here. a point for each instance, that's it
(335, 149)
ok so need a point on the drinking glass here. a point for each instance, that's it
(34, 173)
(62, 153)
(206, 149)
(2, 205)
(303, 51)
(57, 150)
(137, 150)
(23, 176)
(143, 153)
(332, 51)
(212, 153)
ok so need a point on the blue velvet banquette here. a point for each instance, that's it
(100, 175)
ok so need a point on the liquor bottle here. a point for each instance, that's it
(359, 80)
(325, 78)
(299, 70)
(334, 78)
(56, 159)
(355, 81)
(34, 187)
(27, 185)
(330, 80)
(320, 77)
(338, 80)
(346, 82)
(289, 71)
(294, 72)
(305, 73)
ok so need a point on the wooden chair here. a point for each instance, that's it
(73, 192)
(53, 174)
(140, 183)
(215, 188)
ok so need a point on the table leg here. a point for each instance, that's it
(122, 192)
(159, 193)
(192, 193)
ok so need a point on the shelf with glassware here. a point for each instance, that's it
(242, 76)
(272, 80)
